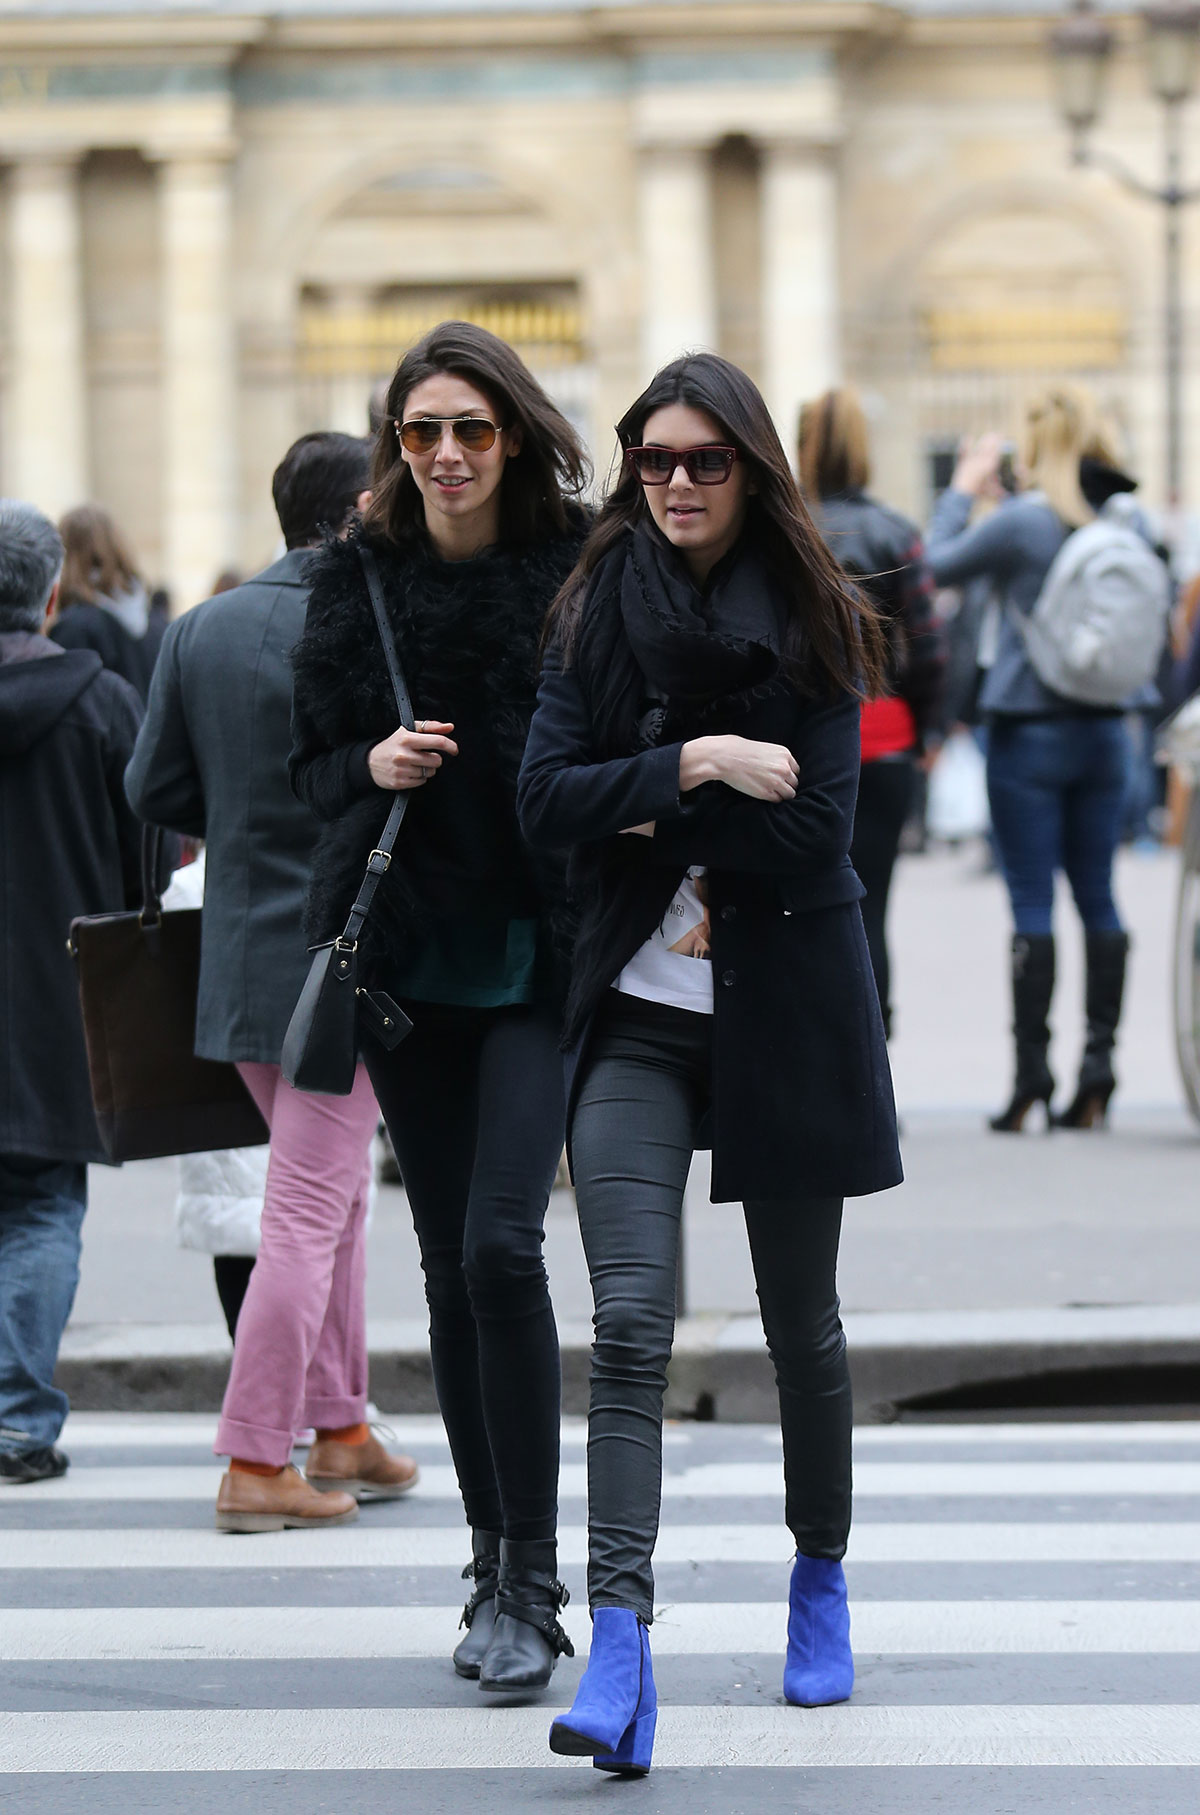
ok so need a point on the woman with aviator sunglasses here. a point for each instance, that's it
(696, 744)
(474, 525)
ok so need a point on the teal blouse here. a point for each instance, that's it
(470, 964)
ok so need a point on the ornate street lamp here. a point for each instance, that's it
(1080, 47)
(1172, 45)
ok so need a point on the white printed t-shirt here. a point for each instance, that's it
(675, 964)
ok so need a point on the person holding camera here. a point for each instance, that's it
(1057, 761)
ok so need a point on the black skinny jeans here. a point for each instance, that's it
(473, 1101)
(885, 797)
(633, 1135)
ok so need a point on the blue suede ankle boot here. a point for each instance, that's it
(613, 1715)
(819, 1667)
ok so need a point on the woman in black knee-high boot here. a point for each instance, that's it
(697, 744)
(473, 528)
(1057, 766)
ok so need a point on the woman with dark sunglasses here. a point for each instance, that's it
(696, 744)
(474, 525)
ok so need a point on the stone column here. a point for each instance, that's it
(801, 333)
(349, 308)
(47, 460)
(198, 375)
(679, 301)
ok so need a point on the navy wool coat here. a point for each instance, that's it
(69, 845)
(801, 1088)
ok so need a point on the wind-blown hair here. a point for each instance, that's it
(834, 639)
(538, 484)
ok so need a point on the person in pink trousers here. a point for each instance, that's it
(300, 1356)
(211, 761)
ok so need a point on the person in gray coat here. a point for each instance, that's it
(211, 761)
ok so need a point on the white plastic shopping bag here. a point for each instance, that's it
(957, 805)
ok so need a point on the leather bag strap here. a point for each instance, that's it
(379, 862)
(152, 840)
(375, 588)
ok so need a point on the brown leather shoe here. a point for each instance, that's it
(275, 1502)
(366, 1470)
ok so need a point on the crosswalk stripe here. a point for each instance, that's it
(1027, 1436)
(163, 1430)
(719, 1481)
(916, 1627)
(486, 1739)
(169, 1430)
(398, 1547)
(131, 1527)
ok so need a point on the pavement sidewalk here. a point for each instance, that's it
(1070, 1259)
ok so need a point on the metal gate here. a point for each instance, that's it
(343, 357)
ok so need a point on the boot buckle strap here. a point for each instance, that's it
(485, 1591)
(484, 1573)
(541, 1618)
(512, 1580)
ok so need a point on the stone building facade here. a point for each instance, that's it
(220, 222)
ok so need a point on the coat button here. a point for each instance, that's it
(729, 913)
(729, 978)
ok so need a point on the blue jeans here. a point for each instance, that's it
(42, 1206)
(1056, 787)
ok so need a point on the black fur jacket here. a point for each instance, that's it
(468, 636)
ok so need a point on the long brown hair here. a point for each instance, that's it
(834, 446)
(834, 638)
(538, 483)
(97, 563)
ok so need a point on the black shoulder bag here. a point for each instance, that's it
(320, 1048)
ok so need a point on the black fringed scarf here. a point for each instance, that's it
(694, 644)
(661, 657)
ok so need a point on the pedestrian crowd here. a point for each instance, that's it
(597, 809)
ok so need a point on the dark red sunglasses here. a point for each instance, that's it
(703, 465)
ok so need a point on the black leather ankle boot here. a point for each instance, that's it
(479, 1614)
(528, 1640)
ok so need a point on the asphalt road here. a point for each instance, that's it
(1025, 1607)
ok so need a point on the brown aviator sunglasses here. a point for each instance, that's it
(422, 434)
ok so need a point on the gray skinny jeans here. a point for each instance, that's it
(633, 1135)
